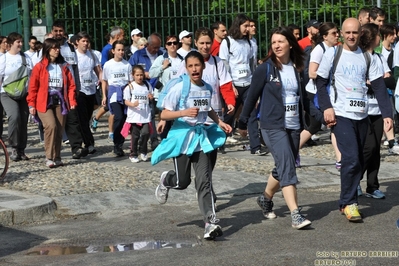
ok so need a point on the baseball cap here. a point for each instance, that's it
(313, 23)
(135, 31)
(184, 34)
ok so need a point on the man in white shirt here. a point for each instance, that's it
(32, 49)
(345, 109)
(186, 39)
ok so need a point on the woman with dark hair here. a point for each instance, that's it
(190, 141)
(369, 40)
(281, 118)
(51, 95)
(3, 45)
(16, 108)
(327, 37)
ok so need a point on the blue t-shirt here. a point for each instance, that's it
(105, 54)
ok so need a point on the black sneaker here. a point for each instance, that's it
(266, 206)
(262, 151)
(80, 153)
(212, 231)
(222, 150)
(311, 143)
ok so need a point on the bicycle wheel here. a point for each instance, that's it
(4, 160)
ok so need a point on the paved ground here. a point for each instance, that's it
(130, 218)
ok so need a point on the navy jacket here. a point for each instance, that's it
(141, 57)
(272, 110)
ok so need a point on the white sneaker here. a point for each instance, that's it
(315, 137)
(394, 149)
(386, 143)
(144, 157)
(134, 159)
(231, 140)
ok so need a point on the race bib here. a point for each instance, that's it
(70, 58)
(242, 71)
(200, 100)
(372, 99)
(356, 102)
(291, 104)
(86, 79)
(142, 98)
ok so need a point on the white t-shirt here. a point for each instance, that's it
(210, 76)
(10, 63)
(133, 48)
(315, 56)
(350, 81)
(197, 95)
(29, 53)
(386, 53)
(183, 52)
(290, 96)
(88, 78)
(98, 54)
(254, 46)
(55, 79)
(374, 109)
(117, 74)
(133, 93)
(238, 59)
(36, 57)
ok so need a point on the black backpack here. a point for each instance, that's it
(305, 73)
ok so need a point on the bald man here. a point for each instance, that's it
(345, 110)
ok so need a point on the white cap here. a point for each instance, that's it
(184, 34)
(135, 31)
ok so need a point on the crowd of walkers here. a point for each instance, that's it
(205, 85)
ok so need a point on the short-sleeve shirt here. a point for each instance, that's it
(350, 79)
(10, 63)
(88, 78)
(135, 92)
(117, 74)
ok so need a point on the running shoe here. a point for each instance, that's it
(134, 159)
(359, 191)
(262, 151)
(394, 150)
(266, 206)
(161, 192)
(110, 137)
(231, 140)
(352, 213)
(50, 163)
(144, 157)
(298, 220)
(338, 165)
(94, 125)
(377, 194)
(212, 231)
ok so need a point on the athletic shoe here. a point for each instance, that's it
(359, 191)
(119, 152)
(394, 150)
(298, 220)
(298, 161)
(338, 165)
(14, 156)
(311, 143)
(386, 143)
(212, 231)
(154, 143)
(352, 213)
(144, 157)
(50, 163)
(315, 137)
(377, 194)
(262, 151)
(161, 192)
(134, 159)
(222, 150)
(111, 138)
(23, 156)
(266, 206)
(66, 141)
(59, 163)
(91, 149)
(94, 125)
(231, 140)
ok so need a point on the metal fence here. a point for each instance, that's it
(172, 16)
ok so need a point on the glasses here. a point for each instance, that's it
(170, 43)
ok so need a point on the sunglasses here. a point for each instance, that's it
(170, 43)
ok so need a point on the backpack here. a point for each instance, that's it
(308, 49)
(337, 55)
(130, 90)
(184, 94)
(229, 44)
(15, 85)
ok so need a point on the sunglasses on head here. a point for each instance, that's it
(170, 43)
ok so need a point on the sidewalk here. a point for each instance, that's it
(19, 207)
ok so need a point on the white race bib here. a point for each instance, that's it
(142, 98)
(372, 99)
(55, 82)
(356, 102)
(86, 79)
(70, 58)
(200, 99)
(291, 106)
(242, 71)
